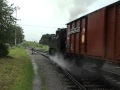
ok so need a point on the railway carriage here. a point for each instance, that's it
(94, 41)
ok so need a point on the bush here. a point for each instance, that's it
(3, 50)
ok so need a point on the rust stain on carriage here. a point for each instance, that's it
(83, 34)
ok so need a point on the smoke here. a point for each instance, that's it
(74, 7)
(79, 7)
(66, 64)
(60, 61)
(83, 69)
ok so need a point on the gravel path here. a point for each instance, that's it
(52, 77)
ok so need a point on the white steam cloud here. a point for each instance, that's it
(74, 7)
(79, 7)
(66, 64)
(61, 62)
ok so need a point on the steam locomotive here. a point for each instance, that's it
(94, 41)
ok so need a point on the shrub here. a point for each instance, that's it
(3, 50)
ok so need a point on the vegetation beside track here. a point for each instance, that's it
(16, 71)
(35, 45)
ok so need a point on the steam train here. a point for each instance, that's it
(93, 40)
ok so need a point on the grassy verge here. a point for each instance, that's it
(16, 71)
(43, 87)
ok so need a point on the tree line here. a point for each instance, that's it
(9, 30)
(45, 39)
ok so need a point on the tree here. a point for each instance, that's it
(19, 34)
(8, 27)
(6, 20)
(45, 39)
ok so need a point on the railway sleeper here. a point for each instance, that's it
(67, 80)
(70, 83)
(95, 86)
(73, 87)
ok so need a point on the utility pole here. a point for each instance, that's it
(16, 8)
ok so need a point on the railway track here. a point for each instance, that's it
(82, 83)
(70, 81)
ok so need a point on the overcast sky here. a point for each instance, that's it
(38, 17)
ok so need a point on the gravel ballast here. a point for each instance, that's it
(53, 79)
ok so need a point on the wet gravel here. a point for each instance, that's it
(53, 79)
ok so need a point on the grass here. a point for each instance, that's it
(36, 45)
(16, 71)
(43, 86)
(44, 48)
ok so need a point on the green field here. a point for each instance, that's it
(35, 45)
(16, 71)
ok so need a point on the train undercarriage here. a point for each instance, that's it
(96, 67)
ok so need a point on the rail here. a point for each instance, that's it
(80, 86)
(85, 84)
